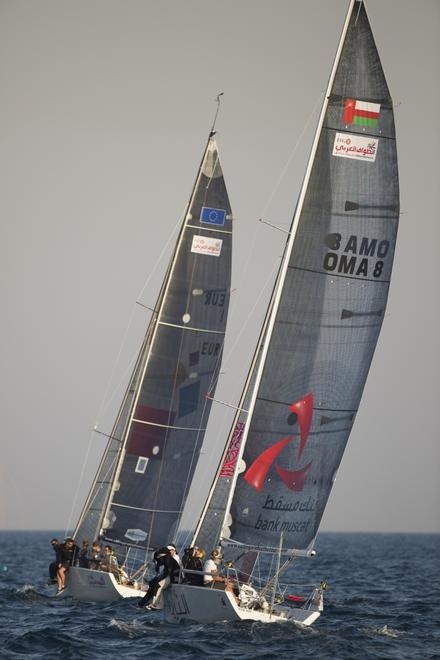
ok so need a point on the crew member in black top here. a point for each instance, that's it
(168, 571)
(96, 556)
(192, 560)
(53, 566)
(68, 553)
(84, 555)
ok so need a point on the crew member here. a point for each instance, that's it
(68, 553)
(169, 570)
(53, 566)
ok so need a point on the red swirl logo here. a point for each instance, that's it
(293, 479)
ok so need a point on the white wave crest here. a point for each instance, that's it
(130, 628)
(386, 631)
(25, 589)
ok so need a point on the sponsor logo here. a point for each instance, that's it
(210, 216)
(359, 147)
(135, 535)
(206, 245)
(233, 451)
(301, 411)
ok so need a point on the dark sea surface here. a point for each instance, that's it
(383, 602)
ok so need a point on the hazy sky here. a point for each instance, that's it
(105, 109)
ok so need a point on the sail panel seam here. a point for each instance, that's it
(353, 215)
(139, 508)
(331, 325)
(285, 403)
(268, 432)
(188, 327)
(220, 231)
(167, 426)
(345, 130)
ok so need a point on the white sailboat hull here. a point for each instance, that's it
(185, 602)
(91, 586)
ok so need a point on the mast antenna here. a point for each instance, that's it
(216, 113)
(359, 11)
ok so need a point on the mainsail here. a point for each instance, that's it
(144, 476)
(325, 315)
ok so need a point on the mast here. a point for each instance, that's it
(154, 325)
(275, 301)
(164, 411)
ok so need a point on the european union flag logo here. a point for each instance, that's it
(212, 216)
(189, 399)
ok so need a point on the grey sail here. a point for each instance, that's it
(328, 308)
(145, 474)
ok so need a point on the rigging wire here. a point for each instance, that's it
(292, 154)
(269, 280)
(95, 495)
(107, 398)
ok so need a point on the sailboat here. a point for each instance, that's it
(313, 355)
(137, 497)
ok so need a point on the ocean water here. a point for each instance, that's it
(383, 601)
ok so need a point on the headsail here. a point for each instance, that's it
(144, 477)
(328, 307)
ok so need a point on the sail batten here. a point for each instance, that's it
(188, 327)
(216, 231)
(138, 508)
(169, 426)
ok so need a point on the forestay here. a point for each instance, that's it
(144, 476)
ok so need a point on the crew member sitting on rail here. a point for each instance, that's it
(168, 570)
(109, 562)
(67, 555)
(53, 566)
(96, 556)
(212, 577)
(193, 561)
(212, 571)
(84, 558)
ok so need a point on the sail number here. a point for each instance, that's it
(210, 348)
(215, 297)
(355, 256)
